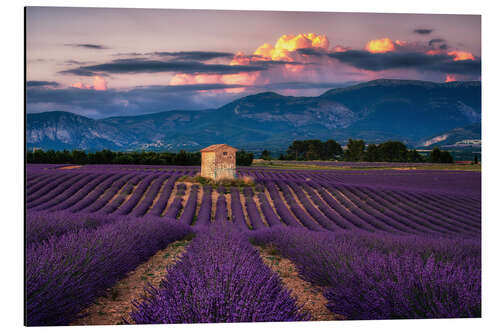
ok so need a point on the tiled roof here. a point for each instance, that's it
(218, 147)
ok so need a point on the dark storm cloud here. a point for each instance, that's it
(78, 72)
(412, 60)
(128, 54)
(181, 55)
(269, 63)
(464, 67)
(140, 100)
(42, 84)
(75, 62)
(193, 55)
(88, 46)
(436, 41)
(121, 66)
(423, 31)
(305, 85)
(382, 61)
(186, 87)
(311, 52)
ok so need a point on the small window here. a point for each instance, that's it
(224, 153)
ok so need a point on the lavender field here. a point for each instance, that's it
(379, 244)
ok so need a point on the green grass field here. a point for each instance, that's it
(286, 165)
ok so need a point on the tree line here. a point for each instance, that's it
(357, 150)
(106, 156)
(307, 150)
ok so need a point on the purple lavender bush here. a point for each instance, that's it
(220, 278)
(43, 225)
(65, 274)
(383, 276)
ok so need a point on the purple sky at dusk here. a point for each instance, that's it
(109, 62)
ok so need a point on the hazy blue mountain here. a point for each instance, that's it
(455, 137)
(410, 111)
(65, 130)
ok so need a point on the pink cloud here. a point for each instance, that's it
(99, 84)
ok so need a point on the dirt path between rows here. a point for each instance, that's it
(69, 167)
(117, 303)
(309, 297)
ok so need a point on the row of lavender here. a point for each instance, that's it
(71, 259)
(68, 254)
(384, 276)
(438, 181)
(315, 205)
(220, 278)
(363, 276)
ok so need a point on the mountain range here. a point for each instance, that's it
(413, 112)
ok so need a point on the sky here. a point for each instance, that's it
(103, 62)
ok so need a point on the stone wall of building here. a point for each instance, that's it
(225, 164)
(208, 164)
(219, 163)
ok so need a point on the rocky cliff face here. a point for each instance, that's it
(470, 132)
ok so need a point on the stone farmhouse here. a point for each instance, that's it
(218, 162)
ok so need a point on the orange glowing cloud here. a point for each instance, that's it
(282, 50)
(81, 85)
(99, 84)
(238, 78)
(401, 43)
(450, 78)
(285, 46)
(289, 43)
(265, 50)
(461, 55)
(186, 79)
(183, 79)
(340, 48)
(380, 45)
(433, 52)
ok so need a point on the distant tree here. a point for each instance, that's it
(105, 156)
(265, 155)
(445, 157)
(435, 155)
(332, 150)
(123, 158)
(50, 155)
(315, 150)
(79, 157)
(372, 153)
(297, 150)
(167, 157)
(40, 157)
(439, 156)
(414, 156)
(355, 150)
(393, 151)
(109, 157)
(30, 157)
(66, 156)
(181, 158)
(244, 158)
